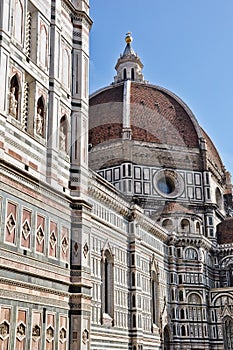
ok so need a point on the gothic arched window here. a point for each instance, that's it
(107, 286)
(155, 298)
(195, 314)
(124, 74)
(228, 332)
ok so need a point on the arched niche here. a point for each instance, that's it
(185, 225)
(40, 117)
(14, 96)
(167, 224)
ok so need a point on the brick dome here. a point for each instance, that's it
(156, 115)
(149, 116)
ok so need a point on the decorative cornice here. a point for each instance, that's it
(198, 241)
(103, 191)
(34, 287)
(224, 249)
(147, 224)
(32, 183)
(75, 14)
(35, 265)
(106, 193)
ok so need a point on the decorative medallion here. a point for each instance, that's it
(21, 331)
(4, 330)
(36, 332)
(52, 239)
(50, 334)
(85, 250)
(64, 244)
(26, 229)
(10, 224)
(62, 335)
(40, 235)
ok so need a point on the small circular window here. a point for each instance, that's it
(168, 183)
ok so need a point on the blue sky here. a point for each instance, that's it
(186, 46)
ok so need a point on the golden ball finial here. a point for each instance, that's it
(128, 38)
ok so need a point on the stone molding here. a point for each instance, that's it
(75, 14)
(108, 197)
(34, 185)
(7, 256)
(61, 300)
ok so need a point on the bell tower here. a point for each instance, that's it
(80, 274)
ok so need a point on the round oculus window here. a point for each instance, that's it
(168, 183)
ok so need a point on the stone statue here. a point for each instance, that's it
(62, 138)
(13, 103)
(39, 122)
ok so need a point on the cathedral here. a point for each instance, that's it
(115, 209)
